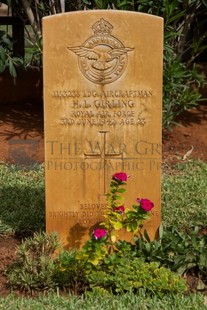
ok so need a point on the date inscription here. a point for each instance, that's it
(90, 108)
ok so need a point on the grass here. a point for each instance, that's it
(184, 195)
(96, 301)
(22, 211)
(22, 207)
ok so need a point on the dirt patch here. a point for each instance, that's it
(21, 133)
(188, 138)
(8, 246)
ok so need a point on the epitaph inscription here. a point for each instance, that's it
(102, 94)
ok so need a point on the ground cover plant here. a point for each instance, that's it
(180, 248)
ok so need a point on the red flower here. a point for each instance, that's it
(99, 233)
(119, 209)
(120, 176)
(145, 204)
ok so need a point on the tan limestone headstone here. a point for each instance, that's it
(102, 107)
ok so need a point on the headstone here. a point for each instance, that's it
(102, 94)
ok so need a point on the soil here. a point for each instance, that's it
(8, 245)
(21, 140)
(188, 138)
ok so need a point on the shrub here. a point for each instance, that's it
(7, 59)
(71, 272)
(178, 250)
(122, 274)
(35, 265)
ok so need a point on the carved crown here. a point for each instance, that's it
(102, 27)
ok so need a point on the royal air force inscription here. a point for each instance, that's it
(95, 110)
(105, 108)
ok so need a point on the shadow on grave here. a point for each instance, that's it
(76, 234)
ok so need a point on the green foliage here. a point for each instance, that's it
(34, 268)
(22, 208)
(97, 300)
(97, 4)
(182, 244)
(116, 273)
(71, 271)
(34, 51)
(121, 274)
(181, 79)
(184, 200)
(116, 217)
(107, 4)
(111, 265)
(180, 89)
(184, 40)
(7, 60)
(94, 250)
(180, 251)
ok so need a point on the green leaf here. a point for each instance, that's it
(132, 227)
(131, 215)
(2, 54)
(87, 2)
(161, 231)
(2, 66)
(12, 68)
(118, 225)
(146, 236)
(119, 198)
(148, 247)
(201, 286)
(9, 2)
(18, 60)
(204, 2)
(121, 190)
(6, 40)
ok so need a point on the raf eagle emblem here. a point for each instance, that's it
(102, 58)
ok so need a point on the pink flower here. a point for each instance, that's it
(120, 176)
(99, 233)
(145, 204)
(119, 209)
